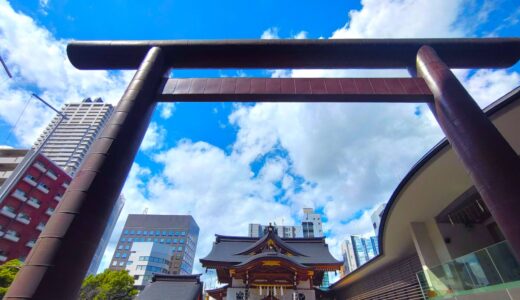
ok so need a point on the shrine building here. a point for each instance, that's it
(269, 267)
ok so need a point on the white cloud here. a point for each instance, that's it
(39, 63)
(166, 110)
(154, 137)
(270, 34)
(301, 35)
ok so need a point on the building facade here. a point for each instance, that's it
(180, 232)
(311, 226)
(29, 198)
(147, 259)
(349, 258)
(364, 249)
(10, 159)
(311, 223)
(68, 142)
(258, 230)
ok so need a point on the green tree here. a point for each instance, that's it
(109, 285)
(7, 273)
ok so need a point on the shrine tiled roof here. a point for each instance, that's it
(233, 250)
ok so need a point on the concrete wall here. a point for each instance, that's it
(464, 240)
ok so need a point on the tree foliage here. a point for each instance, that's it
(7, 273)
(109, 285)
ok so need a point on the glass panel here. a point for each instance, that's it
(487, 267)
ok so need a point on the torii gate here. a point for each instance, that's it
(58, 262)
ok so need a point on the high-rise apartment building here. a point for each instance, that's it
(311, 223)
(28, 198)
(176, 232)
(311, 226)
(68, 143)
(349, 258)
(364, 249)
(147, 259)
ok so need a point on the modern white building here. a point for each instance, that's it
(311, 223)
(311, 226)
(68, 143)
(258, 230)
(147, 259)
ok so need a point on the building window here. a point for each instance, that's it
(183, 233)
(118, 254)
(130, 240)
(164, 233)
(129, 263)
(121, 263)
(151, 232)
(127, 247)
(149, 239)
(168, 241)
(124, 255)
(123, 240)
(170, 233)
(177, 233)
(120, 247)
(179, 248)
(138, 232)
(145, 232)
(126, 231)
(132, 232)
(114, 263)
(155, 240)
(182, 241)
(175, 241)
(157, 232)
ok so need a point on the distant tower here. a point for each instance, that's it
(376, 217)
(70, 142)
(311, 223)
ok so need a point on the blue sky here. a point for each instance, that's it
(231, 164)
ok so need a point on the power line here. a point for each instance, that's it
(5, 67)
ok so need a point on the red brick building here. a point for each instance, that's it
(28, 204)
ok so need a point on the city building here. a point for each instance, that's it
(30, 195)
(269, 267)
(257, 230)
(364, 249)
(439, 240)
(147, 259)
(68, 142)
(376, 217)
(349, 257)
(180, 232)
(100, 251)
(311, 226)
(311, 223)
(9, 160)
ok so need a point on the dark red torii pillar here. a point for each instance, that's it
(57, 264)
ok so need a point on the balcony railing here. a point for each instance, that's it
(23, 219)
(30, 244)
(58, 198)
(30, 181)
(33, 203)
(40, 167)
(11, 237)
(19, 196)
(43, 189)
(51, 175)
(488, 269)
(7, 212)
(3, 257)
(40, 227)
